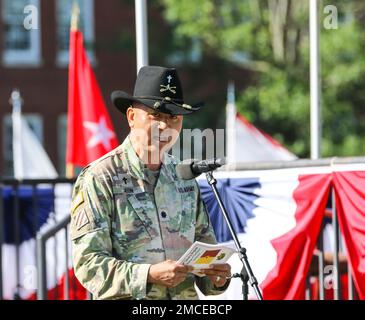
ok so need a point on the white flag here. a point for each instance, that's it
(30, 160)
(245, 142)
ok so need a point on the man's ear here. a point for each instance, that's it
(130, 116)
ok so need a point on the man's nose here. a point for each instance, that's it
(162, 124)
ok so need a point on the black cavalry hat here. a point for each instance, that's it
(158, 88)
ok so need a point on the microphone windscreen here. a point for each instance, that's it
(221, 161)
(184, 171)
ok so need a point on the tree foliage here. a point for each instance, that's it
(271, 38)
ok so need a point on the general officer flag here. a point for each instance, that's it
(90, 130)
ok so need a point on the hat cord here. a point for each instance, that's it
(167, 100)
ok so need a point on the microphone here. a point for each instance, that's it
(191, 168)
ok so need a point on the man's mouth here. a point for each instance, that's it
(165, 139)
(161, 138)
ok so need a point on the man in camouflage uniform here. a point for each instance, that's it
(132, 218)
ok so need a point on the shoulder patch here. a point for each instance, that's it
(81, 223)
(81, 219)
(77, 200)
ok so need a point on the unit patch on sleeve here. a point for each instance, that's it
(81, 219)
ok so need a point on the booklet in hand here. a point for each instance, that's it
(202, 255)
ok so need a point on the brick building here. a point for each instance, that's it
(36, 62)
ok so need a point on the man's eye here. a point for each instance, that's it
(155, 114)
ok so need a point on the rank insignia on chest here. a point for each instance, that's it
(164, 215)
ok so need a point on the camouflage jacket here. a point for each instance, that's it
(119, 228)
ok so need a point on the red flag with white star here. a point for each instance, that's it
(90, 132)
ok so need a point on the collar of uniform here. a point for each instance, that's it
(168, 171)
(138, 169)
(132, 162)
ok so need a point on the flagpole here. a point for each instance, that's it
(315, 86)
(16, 101)
(75, 17)
(70, 170)
(230, 123)
(141, 33)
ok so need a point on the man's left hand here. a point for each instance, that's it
(218, 274)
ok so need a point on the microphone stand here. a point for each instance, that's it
(246, 272)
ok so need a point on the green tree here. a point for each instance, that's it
(271, 38)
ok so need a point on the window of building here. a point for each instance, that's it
(62, 140)
(35, 122)
(86, 25)
(22, 37)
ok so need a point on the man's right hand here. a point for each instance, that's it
(168, 273)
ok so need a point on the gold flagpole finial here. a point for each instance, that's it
(75, 14)
(70, 171)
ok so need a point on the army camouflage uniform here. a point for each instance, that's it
(123, 220)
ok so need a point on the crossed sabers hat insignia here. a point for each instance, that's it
(168, 87)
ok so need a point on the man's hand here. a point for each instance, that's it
(218, 274)
(168, 273)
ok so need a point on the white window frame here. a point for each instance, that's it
(87, 9)
(25, 58)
